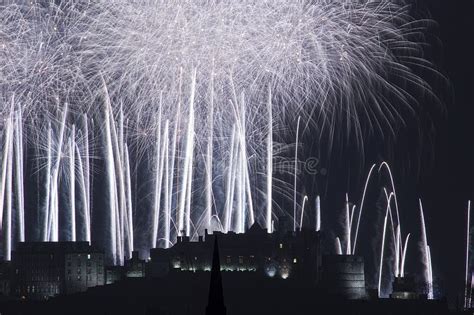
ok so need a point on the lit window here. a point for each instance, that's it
(88, 256)
(294, 260)
(281, 245)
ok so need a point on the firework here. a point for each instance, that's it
(126, 87)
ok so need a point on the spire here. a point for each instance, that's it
(215, 304)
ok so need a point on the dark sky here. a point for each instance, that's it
(444, 177)
(450, 183)
(432, 158)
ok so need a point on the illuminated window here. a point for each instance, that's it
(294, 260)
(195, 258)
(88, 256)
(281, 245)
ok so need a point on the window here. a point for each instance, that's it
(88, 256)
(79, 277)
(241, 259)
(281, 245)
(78, 270)
(295, 260)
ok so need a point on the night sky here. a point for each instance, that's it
(432, 157)
(448, 185)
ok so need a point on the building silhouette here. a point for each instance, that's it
(132, 268)
(260, 273)
(344, 276)
(45, 269)
(215, 304)
(276, 255)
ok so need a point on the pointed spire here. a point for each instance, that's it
(215, 305)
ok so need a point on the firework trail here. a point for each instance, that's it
(427, 254)
(318, 213)
(178, 84)
(389, 199)
(303, 204)
(467, 302)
